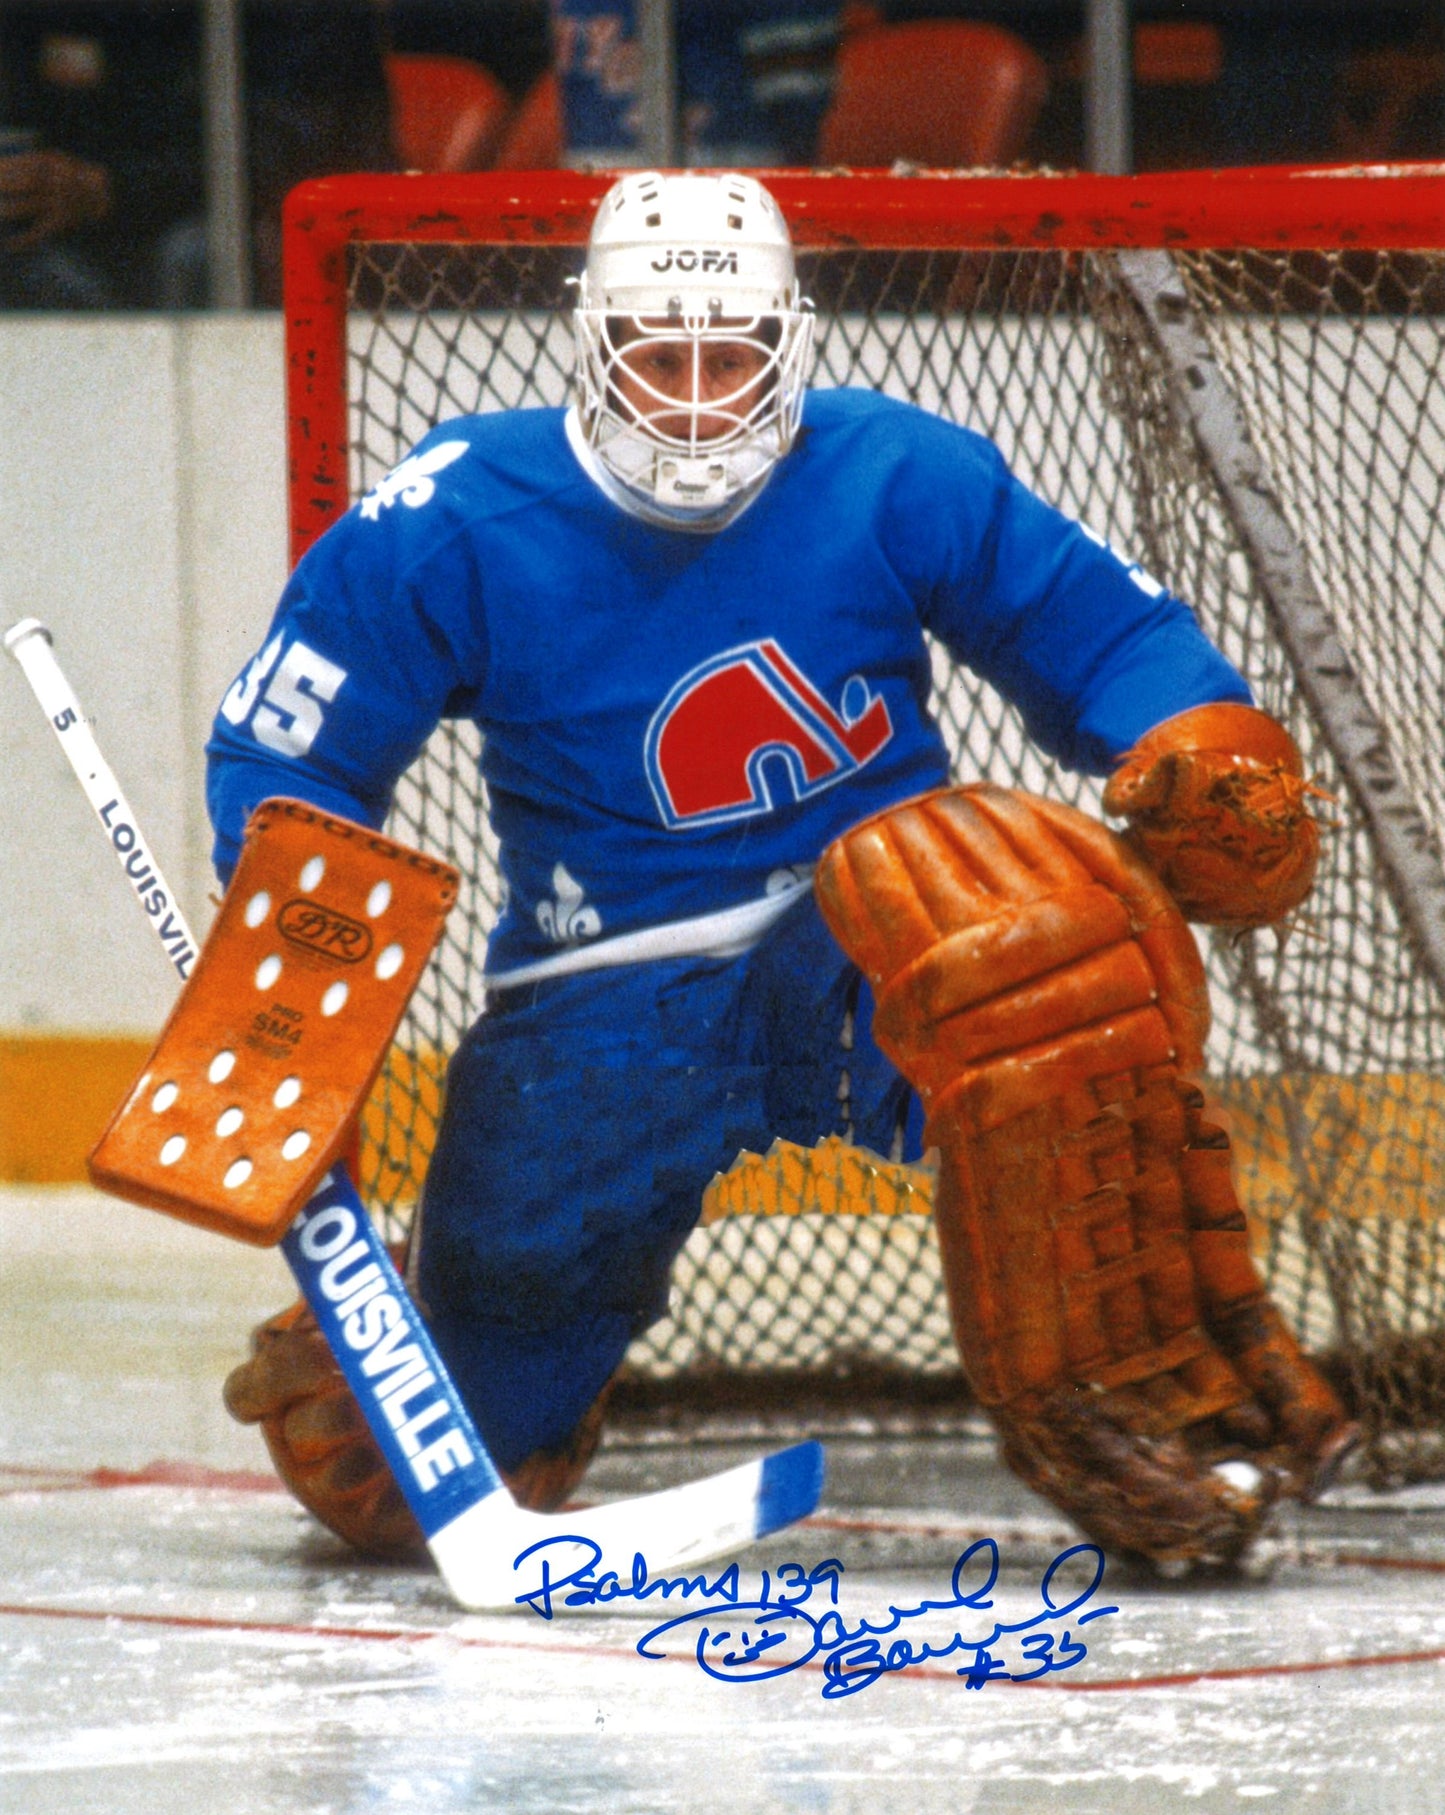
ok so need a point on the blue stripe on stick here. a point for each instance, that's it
(790, 1487)
(387, 1356)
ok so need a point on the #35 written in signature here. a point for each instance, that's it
(796, 1617)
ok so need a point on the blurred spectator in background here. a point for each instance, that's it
(112, 94)
(754, 79)
(44, 197)
(316, 105)
(1248, 82)
(102, 175)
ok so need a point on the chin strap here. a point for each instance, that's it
(633, 495)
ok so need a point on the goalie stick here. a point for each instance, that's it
(476, 1532)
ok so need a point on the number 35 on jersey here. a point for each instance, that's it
(286, 691)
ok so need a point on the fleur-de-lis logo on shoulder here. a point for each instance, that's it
(412, 481)
(568, 919)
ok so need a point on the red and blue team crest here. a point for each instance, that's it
(746, 731)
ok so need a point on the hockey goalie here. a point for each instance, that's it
(689, 614)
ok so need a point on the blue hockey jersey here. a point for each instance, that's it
(671, 720)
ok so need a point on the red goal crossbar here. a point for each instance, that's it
(1390, 207)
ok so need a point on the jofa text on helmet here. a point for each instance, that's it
(689, 258)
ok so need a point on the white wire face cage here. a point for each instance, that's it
(699, 267)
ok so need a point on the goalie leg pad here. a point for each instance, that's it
(1038, 986)
(1243, 1320)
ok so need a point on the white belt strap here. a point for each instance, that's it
(726, 934)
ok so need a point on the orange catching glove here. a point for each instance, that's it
(1218, 803)
(318, 1437)
(326, 1455)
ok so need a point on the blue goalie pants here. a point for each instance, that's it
(585, 1118)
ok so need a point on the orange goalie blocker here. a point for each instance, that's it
(279, 1034)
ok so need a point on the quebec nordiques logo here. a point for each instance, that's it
(746, 731)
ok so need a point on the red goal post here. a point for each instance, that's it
(1236, 376)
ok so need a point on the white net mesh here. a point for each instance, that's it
(1327, 1049)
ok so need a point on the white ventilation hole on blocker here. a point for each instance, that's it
(229, 1121)
(287, 1091)
(267, 971)
(164, 1097)
(173, 1149)
(312, 871)
(236, 1174)
(295, 1145)
(334, 1000)
(378, 901)
(257, 908)
(389, 962)
(221, 1066)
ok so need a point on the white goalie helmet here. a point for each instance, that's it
(693, 344)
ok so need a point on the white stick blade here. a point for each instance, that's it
(496, 1556)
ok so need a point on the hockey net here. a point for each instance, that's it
(1257, 415)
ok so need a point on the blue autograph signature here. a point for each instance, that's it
(796, 1617)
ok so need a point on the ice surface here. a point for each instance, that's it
(184, 1639)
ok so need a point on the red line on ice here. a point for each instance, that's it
(165, 1473)
(417, 1634)
(1246, 1671)
(160, 1473)
(393, 1635)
